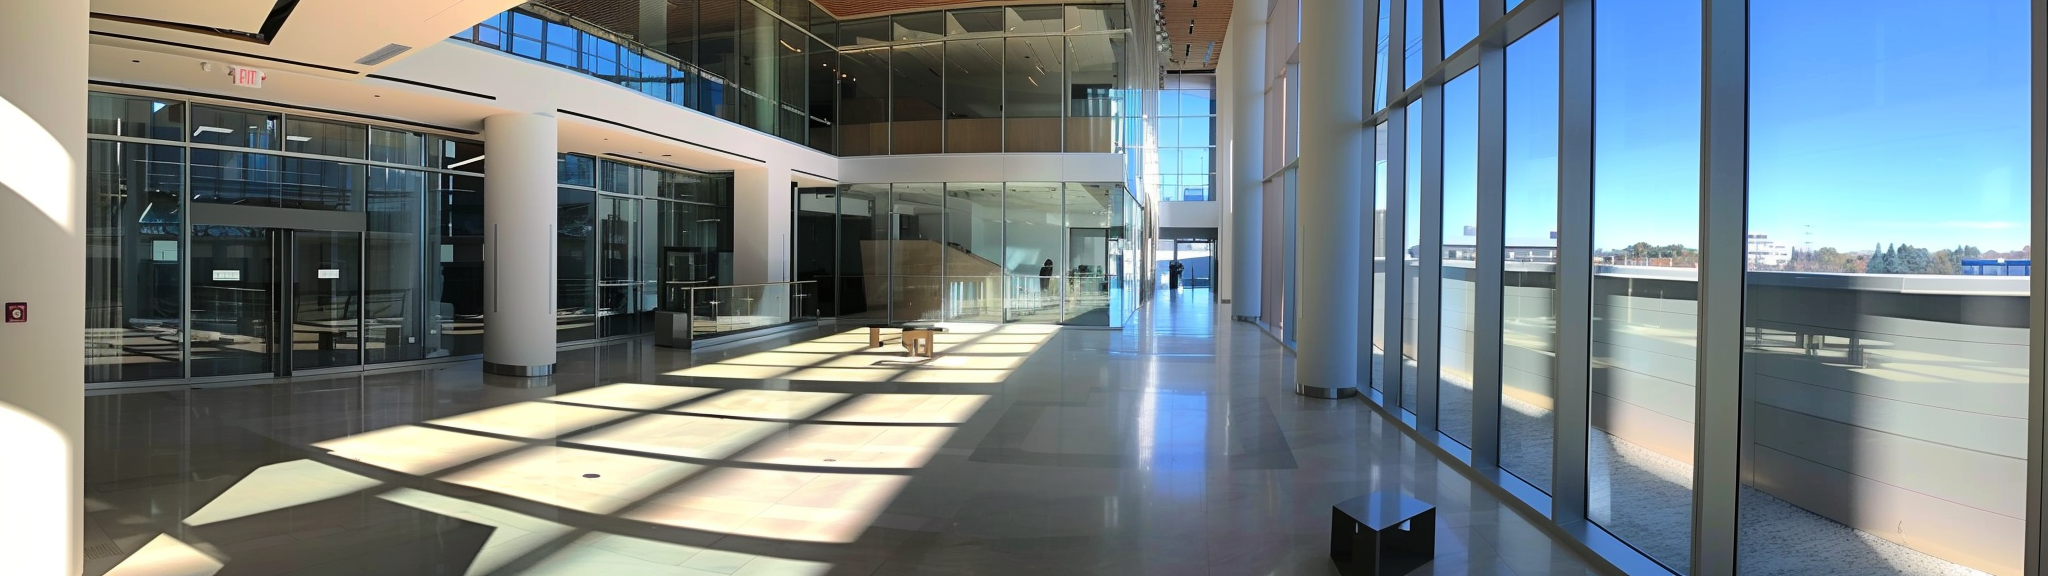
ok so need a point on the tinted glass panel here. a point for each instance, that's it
(133, 280)
(231, 127)
(326, 138)
(266, 180)
(134, 116)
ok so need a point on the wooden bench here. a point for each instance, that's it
(917, 337)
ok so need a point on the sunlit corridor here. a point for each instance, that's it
(1156, 450)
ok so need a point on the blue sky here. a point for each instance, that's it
(1871, 122)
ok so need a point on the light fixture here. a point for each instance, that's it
(299, 138)
(479, 157)
(213, 129)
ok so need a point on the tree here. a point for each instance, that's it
(1912, 260)
(1880, 260)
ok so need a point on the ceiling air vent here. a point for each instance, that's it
(388, 52)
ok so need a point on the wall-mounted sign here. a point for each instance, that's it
(330, 273)
(247, 77)
(17, 312)
(164, 250)
(227, 275)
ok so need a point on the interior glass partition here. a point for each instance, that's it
(1034, 79)
(828, 84)
(1028, 252)
(134, 291)
(973, 252)
(175, 293)
(974, 95)
(917, 99)
(862, 245)
(1035, 251)
(1090, 238)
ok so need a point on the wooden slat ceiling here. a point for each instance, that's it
(1202, 48)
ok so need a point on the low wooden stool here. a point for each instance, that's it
(917, 341)
(875, 335)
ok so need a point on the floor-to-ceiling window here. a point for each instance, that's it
(1528, 353)
(1885, 383)
(1460, 256)
(1646, 157)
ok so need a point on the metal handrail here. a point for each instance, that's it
(793, 282)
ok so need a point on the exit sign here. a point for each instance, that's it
(249, 77)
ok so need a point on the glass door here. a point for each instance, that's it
(326, 302)
(234, 304)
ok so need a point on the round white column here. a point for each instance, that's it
(519, 245)
(42, 224)
(1329, 195)
(1247, 60)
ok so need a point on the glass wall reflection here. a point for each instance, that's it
(990, 79)
(1646, 156)
(1411, 265)
(1025, 252)
(1885, 378)
(1371, 360)
(1529, 281)
(173, 294)
(1460, 256)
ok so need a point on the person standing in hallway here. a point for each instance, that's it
(1173, 272)
(1045, 276)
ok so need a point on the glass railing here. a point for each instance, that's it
(691, 311)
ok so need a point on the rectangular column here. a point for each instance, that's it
(762, 222)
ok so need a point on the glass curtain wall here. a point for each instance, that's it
(170, 298)
(1187, 138)
(1646, 156)
(1885, 360)
(1889, 427)
(968, 80)
(628, 237)
(1460, 257)
(1370, 361)
(1529, 278)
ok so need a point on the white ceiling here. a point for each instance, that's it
(240, 15)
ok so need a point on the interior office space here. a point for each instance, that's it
(567, 286)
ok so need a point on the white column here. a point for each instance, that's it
(519, 245)
(1328, 198)
(761, 224)
(1247, 61)
(42, 224)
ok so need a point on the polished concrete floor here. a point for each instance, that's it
(1172, 447)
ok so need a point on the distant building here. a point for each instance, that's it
(1766, 252)
(1997, 267)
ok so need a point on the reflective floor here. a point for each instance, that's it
(1172, 447)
